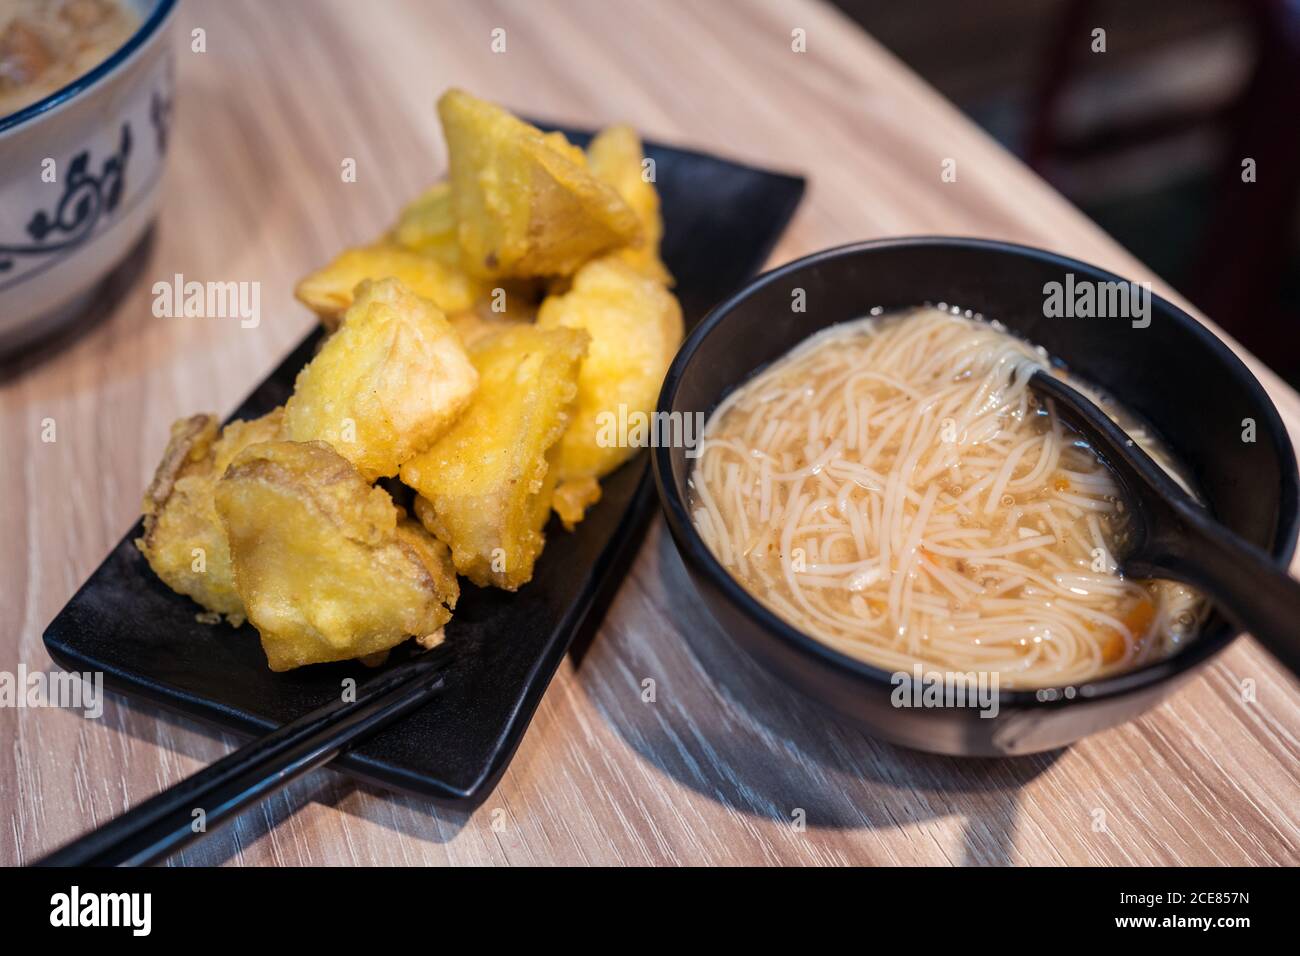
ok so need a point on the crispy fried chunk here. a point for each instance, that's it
(386, 385)
(327, 566)
(329, 290)
(616, 157)
(184, 541)
(524, 201)
(635, 326)
(487, 484)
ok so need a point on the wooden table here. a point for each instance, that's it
(707, 774)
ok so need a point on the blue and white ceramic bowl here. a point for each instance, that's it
(106, 133)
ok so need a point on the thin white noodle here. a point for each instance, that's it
(893, 488)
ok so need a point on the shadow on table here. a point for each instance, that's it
(758, 747)
(100, 303)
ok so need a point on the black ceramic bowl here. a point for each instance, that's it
(1174, 374)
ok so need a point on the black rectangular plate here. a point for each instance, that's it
(721, 220)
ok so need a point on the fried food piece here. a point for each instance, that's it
(385, 386)
(184, 541)
(573, 496)
(474, 327)
(635, 326)
(487, 483)
(329, 291)
(525, 203)
(616, 157)
(512, 302)
(428, 224)
(327, 566)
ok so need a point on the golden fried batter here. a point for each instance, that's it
(573, 496)
(184, 541)
(327, 566)
(474, 327)
(635, 326)
(386, 385)
(447, 367)
(428, 224)
(615, 156)
(329, 290)
(487, 483)
(525, 203)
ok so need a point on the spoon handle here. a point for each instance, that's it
(1180, 540)
(1241, 579)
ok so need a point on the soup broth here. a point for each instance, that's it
(893, 488)
(46, 44)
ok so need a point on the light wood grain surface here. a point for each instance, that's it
(715, 771)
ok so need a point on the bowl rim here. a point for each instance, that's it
(697, 553)
(156, 17)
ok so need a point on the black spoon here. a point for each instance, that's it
(1171, 536)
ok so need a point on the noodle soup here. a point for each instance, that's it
(46, 44)
(894, 489)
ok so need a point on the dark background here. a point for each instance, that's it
(1148, 137)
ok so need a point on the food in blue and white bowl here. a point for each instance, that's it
(85, 102)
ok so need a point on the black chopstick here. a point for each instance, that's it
(166, 822)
